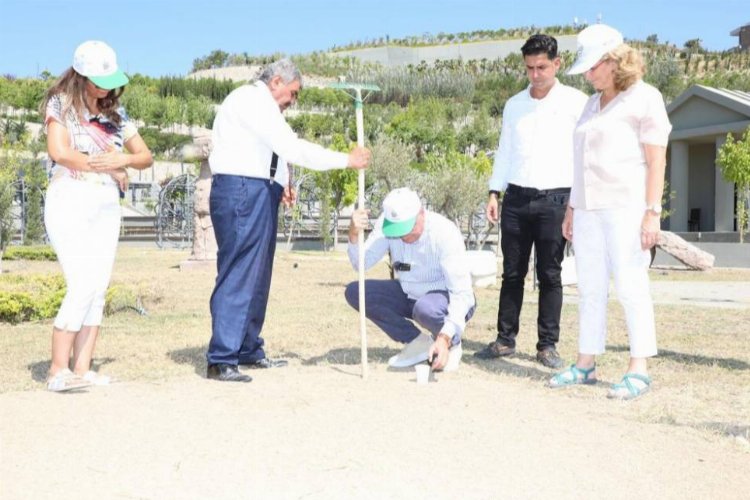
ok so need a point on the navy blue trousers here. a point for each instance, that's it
(244, 213)
(390, 308)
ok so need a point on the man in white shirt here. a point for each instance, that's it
(433, 286)
(252, 144)
(534, 166)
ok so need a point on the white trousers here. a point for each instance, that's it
(608, 242)
(83, 225)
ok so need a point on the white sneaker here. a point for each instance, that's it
(95, 379)
(66, 380)
(454, 358)
(414, 352)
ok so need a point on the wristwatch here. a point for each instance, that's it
(655, 208)
(496, 193)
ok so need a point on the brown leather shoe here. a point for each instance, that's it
(549, 358)
(495, 350)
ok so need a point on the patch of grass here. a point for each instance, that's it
(700, 377)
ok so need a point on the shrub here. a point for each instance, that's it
(30, 253)
(35, 297)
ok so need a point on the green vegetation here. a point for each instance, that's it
(39, 252)
(734, 160)
(433, 120)
(34, 297)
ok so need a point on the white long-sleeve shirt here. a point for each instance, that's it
(438, 262)
(249, 127)
(536, 139)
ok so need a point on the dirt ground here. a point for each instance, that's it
(322, 432)
(318, 430)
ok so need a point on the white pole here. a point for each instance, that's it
(361, 236)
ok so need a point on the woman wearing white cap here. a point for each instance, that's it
(613, 216)
(87, 131)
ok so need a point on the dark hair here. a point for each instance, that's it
(72, 85)
(540, 44)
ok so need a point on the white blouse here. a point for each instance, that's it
(608, 156)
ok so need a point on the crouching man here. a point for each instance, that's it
(432, 289)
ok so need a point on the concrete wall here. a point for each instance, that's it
(403, 56)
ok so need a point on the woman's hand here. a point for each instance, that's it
(121, 177)
(105, 162)
(650, 228)
(567, 225)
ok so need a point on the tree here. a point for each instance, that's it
(694, 45)
(455, 184)
(734, 160)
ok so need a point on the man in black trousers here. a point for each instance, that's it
(534, 166)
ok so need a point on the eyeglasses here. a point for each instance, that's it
(593, 68)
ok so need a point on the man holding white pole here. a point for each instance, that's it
(433, 287)
(252, 144)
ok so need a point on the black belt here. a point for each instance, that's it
(533, 192)
(274, 163)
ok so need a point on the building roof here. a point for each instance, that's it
(736, 31)
(700, 114)
(733, 99)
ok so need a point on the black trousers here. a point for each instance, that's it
(530, 216)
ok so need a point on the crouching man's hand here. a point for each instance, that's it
(438, 354)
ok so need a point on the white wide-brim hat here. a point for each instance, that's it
(594, 43)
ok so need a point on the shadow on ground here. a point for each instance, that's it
(351, 356)
(196, 357)
(506, 365)
(693, 359)
(39, 369)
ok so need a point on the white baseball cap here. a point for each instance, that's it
(594, 43)
(400, 210)
(97, 61)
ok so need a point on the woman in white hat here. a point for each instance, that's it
(87, 131)
(613, 217)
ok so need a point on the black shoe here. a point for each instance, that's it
(266, 363)
(495, 350)
(226, 373)
(549, 358)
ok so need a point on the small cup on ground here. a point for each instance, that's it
(423, 373)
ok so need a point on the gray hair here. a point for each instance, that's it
(284, 68)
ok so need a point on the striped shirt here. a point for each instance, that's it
(438, 262)
(89, 134)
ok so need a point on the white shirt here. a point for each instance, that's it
(536, 139)
(249, 127)
(610, 162)
(438, 262)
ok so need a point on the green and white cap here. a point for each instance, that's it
(400, 210)
(97, 61)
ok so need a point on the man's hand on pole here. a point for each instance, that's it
(360, 221)
(359, 158)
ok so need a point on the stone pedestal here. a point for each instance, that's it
(204, 240)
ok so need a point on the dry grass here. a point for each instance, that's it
(701, 377)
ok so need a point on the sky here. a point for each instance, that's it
(163, 37)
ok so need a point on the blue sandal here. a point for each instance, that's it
(627, 390)
(572, 376)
